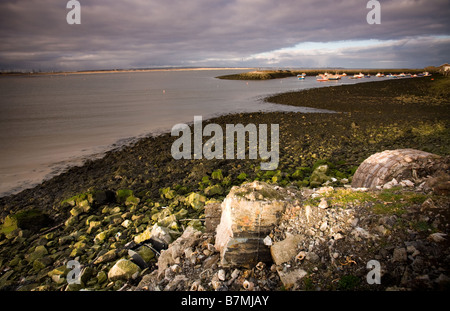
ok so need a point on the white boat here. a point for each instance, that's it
(333, 77)
(357, 76)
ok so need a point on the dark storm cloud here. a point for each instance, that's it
(147, 33)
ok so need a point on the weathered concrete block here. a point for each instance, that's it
(249, 213)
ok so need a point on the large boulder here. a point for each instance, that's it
(400, 164)
(249, 213)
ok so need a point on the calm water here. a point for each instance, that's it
(48, 123)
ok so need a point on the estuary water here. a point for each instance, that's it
(51, 122)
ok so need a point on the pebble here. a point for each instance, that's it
(221, 274)
(323, 203)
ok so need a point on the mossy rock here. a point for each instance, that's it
(122, 195)
(242, 176)
(196, 201)
(167, 193)
(31, 219)
(217, 175)
(318, 177)
(214, 190)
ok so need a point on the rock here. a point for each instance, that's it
(29, 219)
(213, 211)
(285, 250)
(399, 255)
(401, 164)
(291, 277)
(146, 253)
(107, 257)
(323, 203)
(167, 258)
(214, 190)
(122, 195)
(123, 270)
(77, 210)
(101, 277)
(137, 259)
(196, 201)
(101, 237)
(161, 233)
(144, 236)
(390, 184)
(39, 252)
(268, 241)
(249, 213)
(437, 237)
(319, 177)
(58, 274)
(407, 183)
(439, 184)
(221, 274)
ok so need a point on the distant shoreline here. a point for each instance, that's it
(117, 71)
(290, 71)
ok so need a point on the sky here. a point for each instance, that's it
(123, 34)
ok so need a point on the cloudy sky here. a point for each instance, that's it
(34, 34)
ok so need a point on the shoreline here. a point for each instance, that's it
(310, 97)
(273, 74)
(116, 71)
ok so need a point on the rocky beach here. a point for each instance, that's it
(136, 220)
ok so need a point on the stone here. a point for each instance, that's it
(214, 190)
(437, 237)
(39, 252)
(213, 212)
(29, 219)
(401, 164)
(169, 256)
(285, 250)
(143, 236)
(249, 212)
(58, 274)
(107, 257)
(323, 203)
(123, 270)
(161, 233)
(137, 259)
(318, 176)
(291, 277)
(221, 274)
(101, 237)
(196, 201)
(122, 195)
(268, 241)
(146, 253)
(102, 277)
(399, 255)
